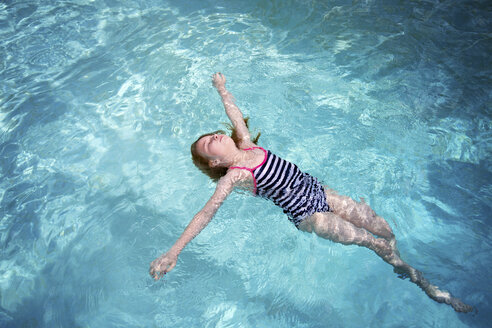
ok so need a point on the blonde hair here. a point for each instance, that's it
(215, 173)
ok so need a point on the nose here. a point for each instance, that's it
(216, 136)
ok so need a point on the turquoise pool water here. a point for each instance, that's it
(389, 101)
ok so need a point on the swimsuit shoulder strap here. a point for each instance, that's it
(252, 170)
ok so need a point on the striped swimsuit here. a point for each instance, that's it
(298, 194)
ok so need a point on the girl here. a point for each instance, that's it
(309, 205)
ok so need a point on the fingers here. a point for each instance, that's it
(155, 270)
(219, 78)
(157, 274)
(158, 270)
(162, 265)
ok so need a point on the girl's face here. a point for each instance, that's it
(215, 146)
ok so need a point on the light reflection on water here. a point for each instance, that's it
(100, 102)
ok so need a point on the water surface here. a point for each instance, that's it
(100, 100)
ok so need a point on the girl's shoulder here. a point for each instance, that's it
(235, 175)
(236, 178)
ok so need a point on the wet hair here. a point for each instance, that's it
(215, 173)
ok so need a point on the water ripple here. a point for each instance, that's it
(100, 101)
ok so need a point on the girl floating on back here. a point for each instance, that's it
(237, 161)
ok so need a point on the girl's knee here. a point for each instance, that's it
(365, 211)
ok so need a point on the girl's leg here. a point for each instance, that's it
(330, 226)
(432, 291)
(359, 214)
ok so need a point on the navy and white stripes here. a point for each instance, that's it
(298, 194)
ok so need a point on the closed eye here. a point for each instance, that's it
(209, 141)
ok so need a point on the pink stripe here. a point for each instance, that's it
(251, 170)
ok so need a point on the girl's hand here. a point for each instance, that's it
(219, 80)
(162, 265)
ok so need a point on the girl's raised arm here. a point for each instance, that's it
(166, 262)
(232, 111)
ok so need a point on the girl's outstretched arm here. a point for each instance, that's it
(232, 111)
(166, 262)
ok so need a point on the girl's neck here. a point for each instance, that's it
(240, 158)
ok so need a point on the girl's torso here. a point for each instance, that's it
(297, 193)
